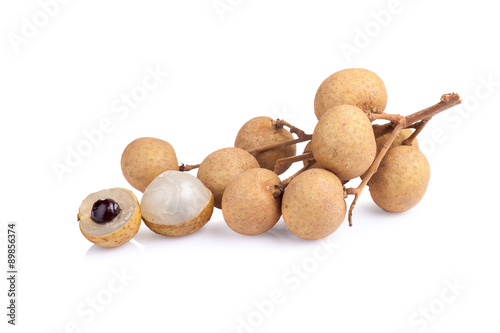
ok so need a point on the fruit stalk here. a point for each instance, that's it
(187, 167)
(447, 101)
(293, 159)
(400, 123)
(280, 188)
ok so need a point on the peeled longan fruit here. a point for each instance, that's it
(176, 204)
(353, 86)
(403, 135)
(218, 168)
(110, 218)
(401, 179)
(248, 204)
(313, 204)
(261, 131)
(144, 159)
(343, 142)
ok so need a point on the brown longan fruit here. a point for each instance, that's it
(221, 166)
(262, 131)
(403, 135)
(313, 204)
(144, 159)
(353, 86)
(401, 179)
(343, 142)
(249, 206)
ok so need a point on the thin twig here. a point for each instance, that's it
(400, 122)
(306, 137)
(280, 123)
(187, 167)
(418, 128)
(282, 161)
(280, 188)
(447, 101)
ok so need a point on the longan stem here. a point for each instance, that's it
(447, 101)
(401, 123)
(306, 137)
(187, 167)
(280, 123)
(302, 136)
(418, 128)
(279, 163)
(280, 188)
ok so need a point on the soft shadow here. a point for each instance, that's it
(98, 253)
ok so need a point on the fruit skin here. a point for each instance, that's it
(248, 204)
(403, 135)
(308, 149)
(343, 142)
(313, 204)
(120, 236)
(221, 166)
(401, 179)
(261, 131)
(145, 158)
(353, 86)
(187, 227)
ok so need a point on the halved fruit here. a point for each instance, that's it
(106, 224)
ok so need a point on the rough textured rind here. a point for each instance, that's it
(221, 166)
(313, 204)
(343, 142)
(248, 204)
(401, 179)
(187, 227)
(353, 86)
(144, 159)
(259, 132)
(120, 236)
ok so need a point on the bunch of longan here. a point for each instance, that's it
(244, 180)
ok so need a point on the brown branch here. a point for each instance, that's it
(447, 101)
(187, 167)
(401, 123)
(280, 188)
(280, 123)
(306, 137)
(418, 128)
(282, 161)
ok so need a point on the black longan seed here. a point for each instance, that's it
(104, 210)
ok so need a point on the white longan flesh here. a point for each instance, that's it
(125, 200)
(173, 198)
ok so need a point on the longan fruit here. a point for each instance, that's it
(403, 135)
(352, 86)
(110, 217)
(343, 142)
(248, 204)
(221, 166)
(262, 131)
(308, 149)
(401, 179)
(144, 159)
(176, 204)
(313, 204)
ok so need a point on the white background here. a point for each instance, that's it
(258, 58)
